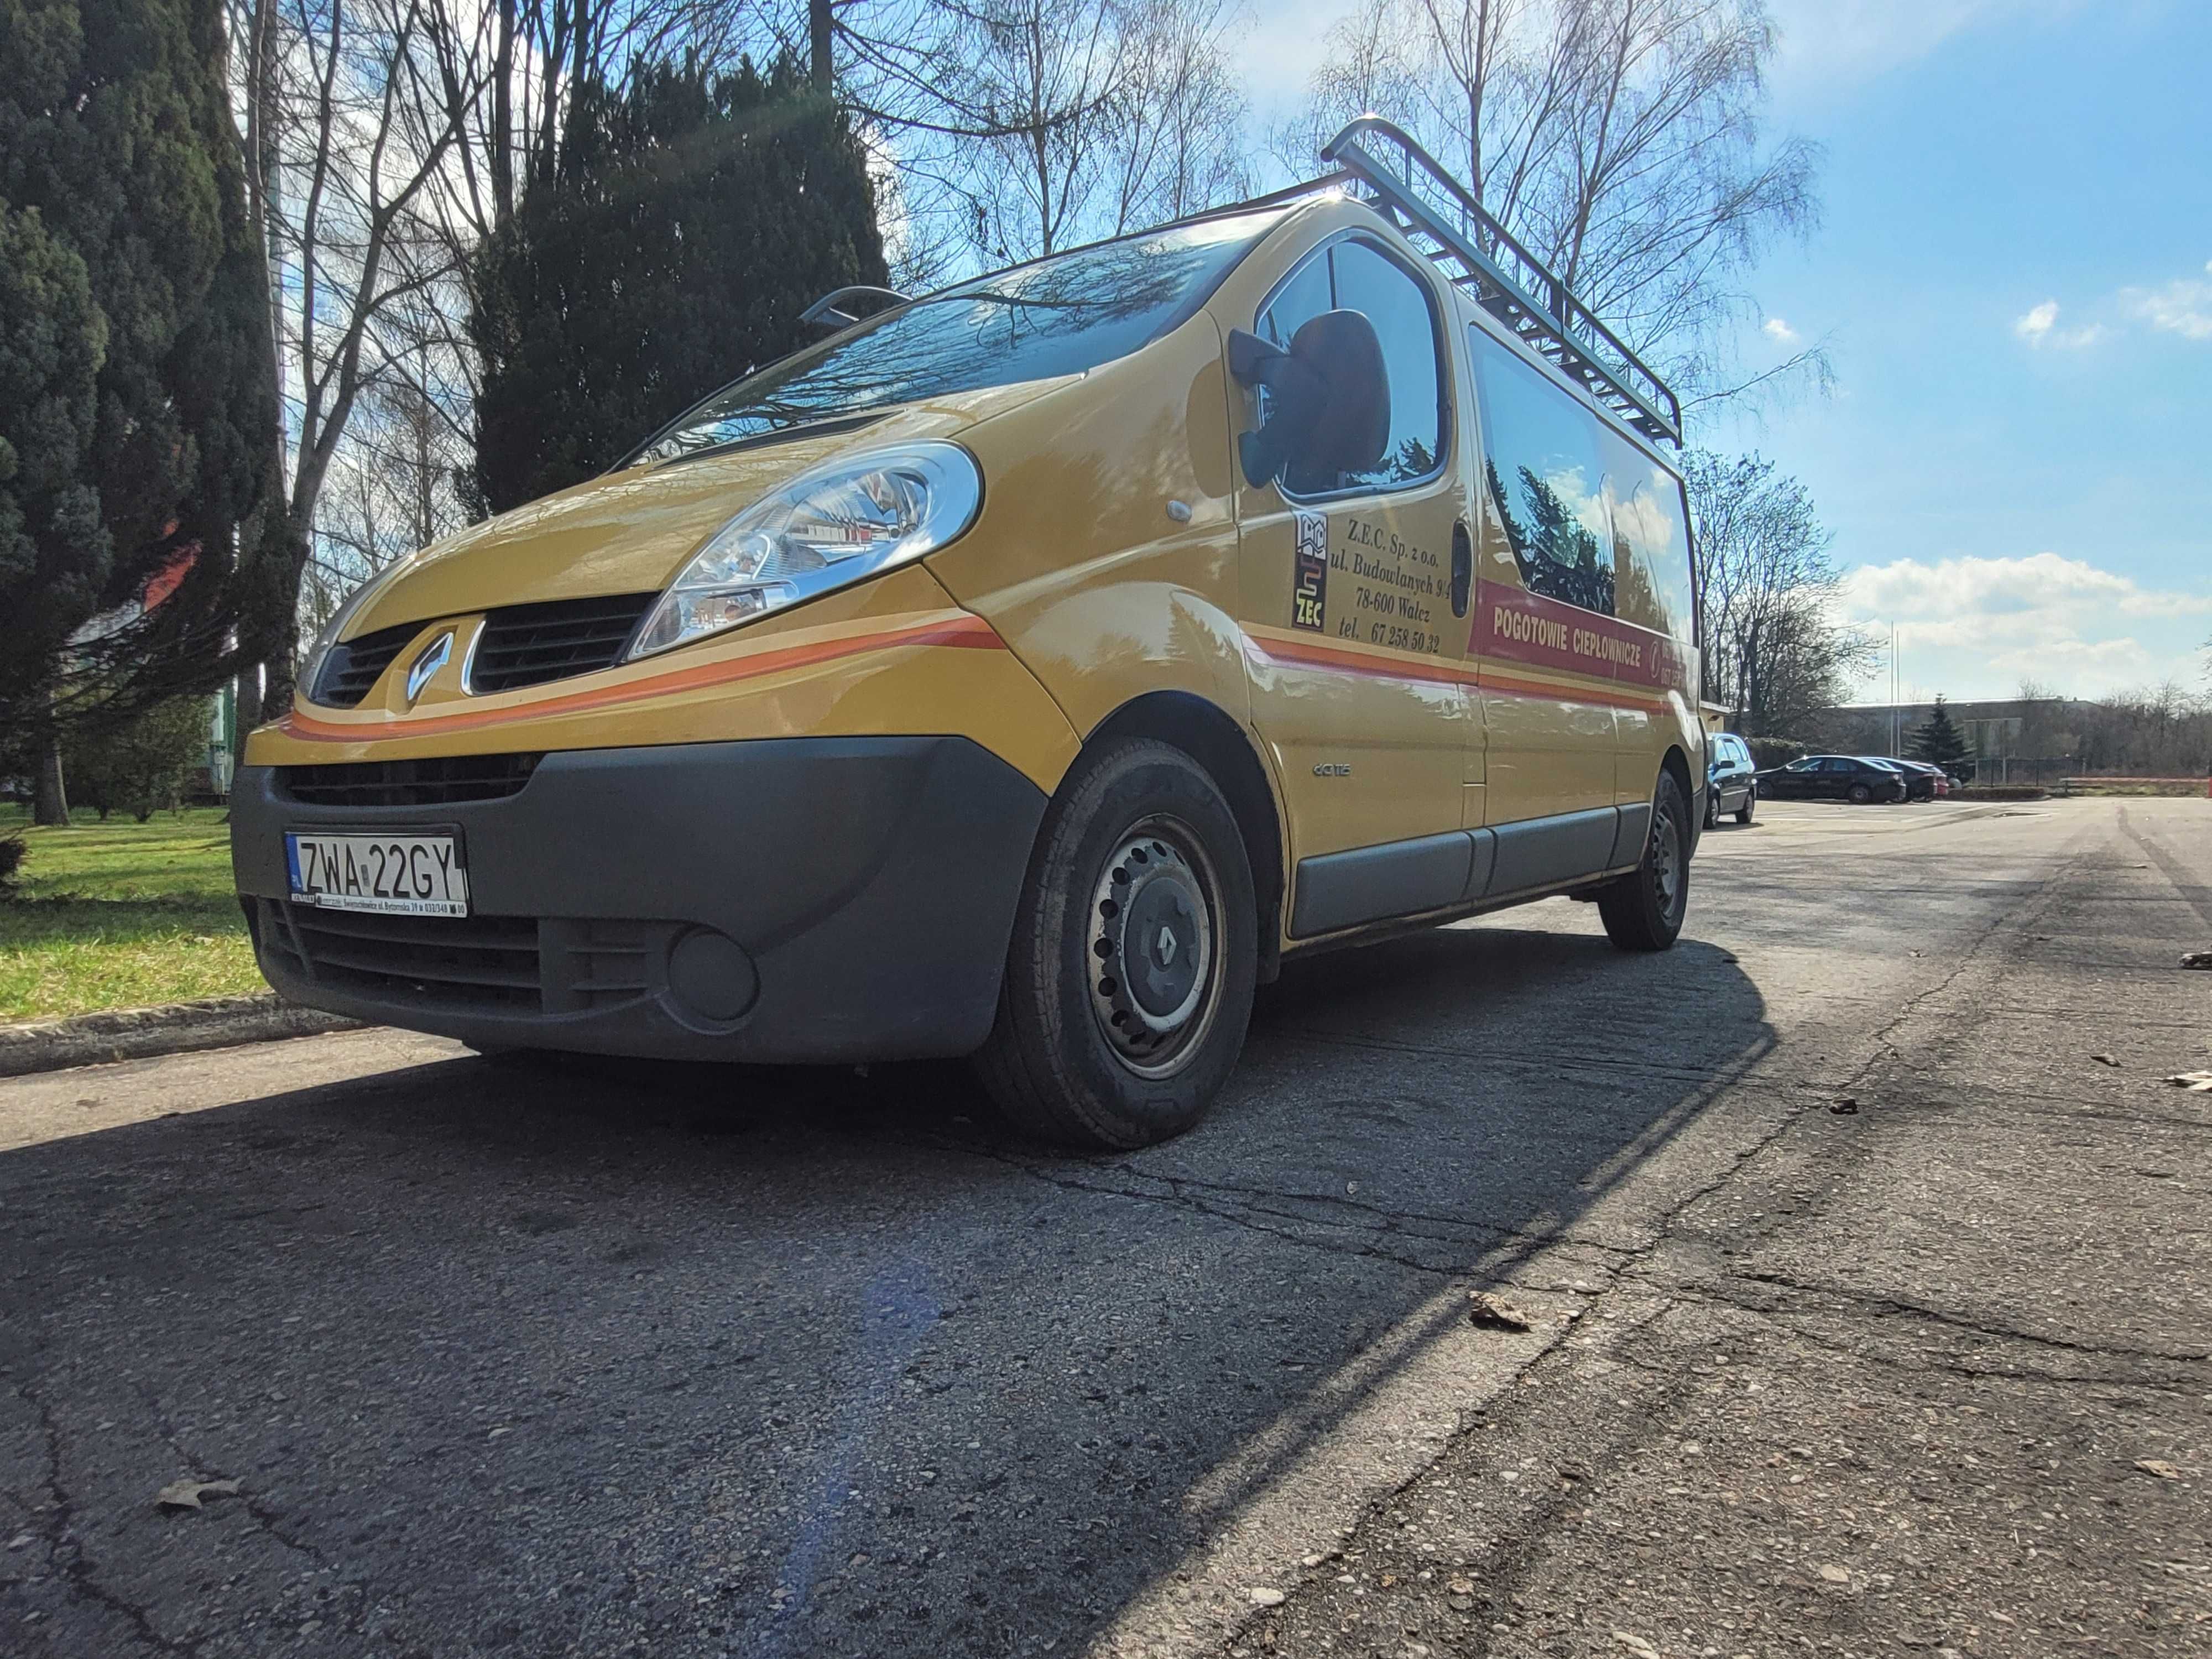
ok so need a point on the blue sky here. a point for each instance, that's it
(2013, 280)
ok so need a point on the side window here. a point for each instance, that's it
(1650, 541)
(1306, 293)
(1544, 502)
(1354, 275)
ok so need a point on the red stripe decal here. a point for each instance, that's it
(1518, 626)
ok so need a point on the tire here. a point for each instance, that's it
(1861, 794)
(1076, 1055)
(1750, 805)
(1644, 911)
(1712, 807)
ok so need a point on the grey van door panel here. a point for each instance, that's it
(1337, 891)
(1543, 851)
(1398, 878)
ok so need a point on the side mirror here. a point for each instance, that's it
(1329, 397)
(834, 310)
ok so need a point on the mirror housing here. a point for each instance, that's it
(1330, 397)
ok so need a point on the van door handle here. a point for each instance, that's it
(1462, 569)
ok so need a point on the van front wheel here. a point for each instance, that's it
(1135, 952)
(1643, 910)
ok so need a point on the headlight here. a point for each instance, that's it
(835, 525)
(355, 602)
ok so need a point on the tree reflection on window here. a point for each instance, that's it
(1057, 316)
(1557, 554)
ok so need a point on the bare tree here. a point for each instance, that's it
(345, 153)
(1045, 75)
(1047, 123)
(390, 489)
(1176, 145)
(1619, 140)
(1773, 649)
(2160, 731)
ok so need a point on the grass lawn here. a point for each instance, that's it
(121, 915)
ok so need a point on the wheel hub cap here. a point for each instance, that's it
(1151, 950)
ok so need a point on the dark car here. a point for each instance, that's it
(1938, 780)
(1919, 779)
(1832, 777)
(1731, 778)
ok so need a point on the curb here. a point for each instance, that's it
(50, 1045)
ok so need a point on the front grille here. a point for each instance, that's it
(529, 644)
(487, 963)
(353, 665)
(438, 783)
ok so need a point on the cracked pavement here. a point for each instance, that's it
(599, 1359)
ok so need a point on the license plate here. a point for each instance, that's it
(397, 875)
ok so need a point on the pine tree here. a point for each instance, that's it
(138, 385)
(690, 223)
(1939, 741)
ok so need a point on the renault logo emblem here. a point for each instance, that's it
(431, 659)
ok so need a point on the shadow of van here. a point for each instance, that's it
(580, 1358)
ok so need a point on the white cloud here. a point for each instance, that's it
(2182, 307)
(2036, 324)
(2040, 327)
(1775, 329)
(1979, 625)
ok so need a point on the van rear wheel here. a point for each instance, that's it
(1135, 952)
(1643, 910)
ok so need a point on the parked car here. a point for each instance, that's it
(1731, 778)
(1832, 777)
(1923, 781)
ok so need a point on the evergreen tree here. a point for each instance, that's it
(691, 221)
(138, 385)
(1939, 741)
(140, 764)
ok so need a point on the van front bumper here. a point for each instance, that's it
(784, 900)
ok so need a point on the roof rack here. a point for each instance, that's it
(1434, 211)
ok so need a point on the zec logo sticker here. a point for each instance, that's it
(1310, 569)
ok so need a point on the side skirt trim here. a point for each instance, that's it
(1463, 869)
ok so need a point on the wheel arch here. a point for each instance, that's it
(1212, 737)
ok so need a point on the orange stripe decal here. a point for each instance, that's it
(965, 632)
(1306, 655)
(1301, 654)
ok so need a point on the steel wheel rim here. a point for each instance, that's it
(1151, 948)
(1666, 862)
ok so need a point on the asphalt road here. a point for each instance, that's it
(604, 1360)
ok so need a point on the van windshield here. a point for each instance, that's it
(1060, 315)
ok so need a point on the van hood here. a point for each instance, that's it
(631, 531)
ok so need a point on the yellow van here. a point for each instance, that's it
(1024, 672)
